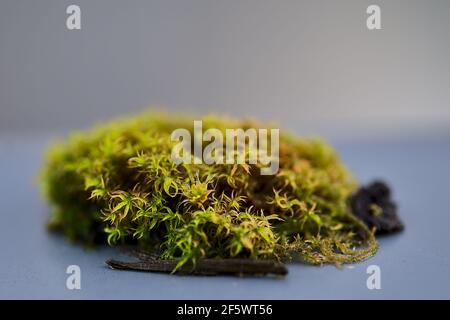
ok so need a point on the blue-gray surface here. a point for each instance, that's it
(414, 264)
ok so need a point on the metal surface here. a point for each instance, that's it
(414, 264)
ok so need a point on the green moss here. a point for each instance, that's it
(117, 183)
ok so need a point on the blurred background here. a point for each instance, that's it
(381, 97)
(312, 66)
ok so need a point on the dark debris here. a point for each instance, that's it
(373, 205)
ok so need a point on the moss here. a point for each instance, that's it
(117, 183)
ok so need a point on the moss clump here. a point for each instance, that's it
(117, 183)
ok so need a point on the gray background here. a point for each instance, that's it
(381, 97)
(306, 64)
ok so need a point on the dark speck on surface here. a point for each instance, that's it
(373, 205)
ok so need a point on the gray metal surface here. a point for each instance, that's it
(414, 264)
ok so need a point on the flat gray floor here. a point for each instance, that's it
(414, 264)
